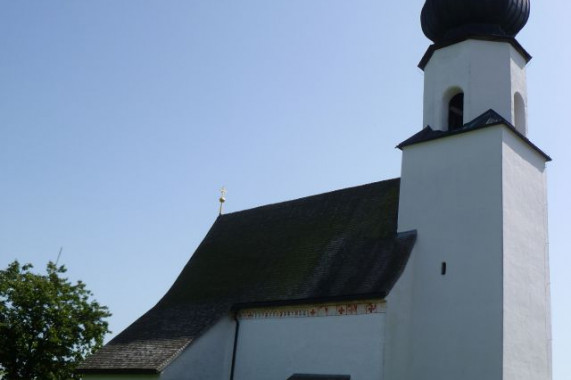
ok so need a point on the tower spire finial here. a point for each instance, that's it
(222, 199)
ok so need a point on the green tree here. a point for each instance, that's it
(47, 324)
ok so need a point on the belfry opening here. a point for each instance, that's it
(456, 112)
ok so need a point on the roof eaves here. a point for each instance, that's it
(528, 142)
(309, 301)
(117, 371)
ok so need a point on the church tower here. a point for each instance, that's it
(473, 302)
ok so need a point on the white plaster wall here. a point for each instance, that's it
(527, 341)
(489, 73)
(207, 358)
(399, 319)
(274, 349)
(450, 327)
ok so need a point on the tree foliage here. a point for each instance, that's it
(47, 324)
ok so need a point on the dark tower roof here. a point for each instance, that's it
(444, 20)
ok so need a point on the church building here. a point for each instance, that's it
(441, 274)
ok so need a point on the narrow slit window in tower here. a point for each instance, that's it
(456, 112)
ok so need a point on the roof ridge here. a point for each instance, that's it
(331, 192)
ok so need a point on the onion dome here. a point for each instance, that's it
(449, 19)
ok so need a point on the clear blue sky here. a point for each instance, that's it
(120, 121)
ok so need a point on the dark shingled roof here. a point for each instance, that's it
(487, 119)
(338, 245)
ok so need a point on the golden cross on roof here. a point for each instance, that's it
(222, 199)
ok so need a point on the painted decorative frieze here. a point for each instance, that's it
(315, 310)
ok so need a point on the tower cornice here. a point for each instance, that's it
(496, 38)
(490, 118)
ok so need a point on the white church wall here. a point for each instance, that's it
(274, 347)
(207, 358)
(489, 73)
(527, 346)
(398, 326)
(451, 193)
